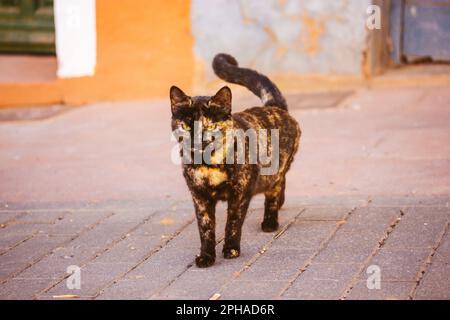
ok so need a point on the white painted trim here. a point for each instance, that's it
(76, 39)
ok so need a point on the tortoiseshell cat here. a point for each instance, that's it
(234, 183)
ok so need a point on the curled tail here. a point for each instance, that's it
(226, 68)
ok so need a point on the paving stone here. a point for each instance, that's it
(224, 270)
(127, 289)
(433, 291)
(188, 286)
(7, 269)
(424, 221)
(437, 272)
(442, 253)
(388, 159)
(131, 216)
(25, 229)
(147, 237)
(399, 264)
(25, 255)
(305, 235)
(94, 277)
(347, 201)
(78, 251)
(54, 266)
(186, 282)
(252, 290)
(75, 222)
(8, 216)
(29, 251)
(131, 249)
(213, 278)
(151, 276)
(143, 238)
(348, 248)
(188, 279)
(160, 268)
(165, 222)
(103, 235)
(152, 202)
(252, 224)
(277, 264)
(21, 289)
(325, 213)
(10, 240)
(251, 244)
(388, 291)
(42, 217)
(434, 286)
(410, 200)
(322, 281)
(357, 238)
(370, 219)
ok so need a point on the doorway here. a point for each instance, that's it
(420, 31)
(27, 27)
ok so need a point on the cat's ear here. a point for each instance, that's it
(223, 99)
(178, 98)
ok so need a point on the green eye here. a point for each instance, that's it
(185, 126)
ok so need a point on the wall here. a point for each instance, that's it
(297, 37)
(143, 48)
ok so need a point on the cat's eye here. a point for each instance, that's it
(185, 127)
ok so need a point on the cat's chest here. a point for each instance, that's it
(207, 176)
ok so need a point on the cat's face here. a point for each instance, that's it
(208, 114)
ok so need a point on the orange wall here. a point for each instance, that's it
(143, 47)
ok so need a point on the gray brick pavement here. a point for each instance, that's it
(322, 254)
(372, 186)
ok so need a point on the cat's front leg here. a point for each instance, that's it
(237, 210)
(206, 220)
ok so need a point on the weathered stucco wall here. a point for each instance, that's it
(299, 37)
(145, 47)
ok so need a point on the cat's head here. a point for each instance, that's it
(213, 113)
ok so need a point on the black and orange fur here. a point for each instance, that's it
(235, 183)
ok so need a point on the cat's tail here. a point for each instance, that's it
(226, 68)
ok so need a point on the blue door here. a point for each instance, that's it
(421, 30)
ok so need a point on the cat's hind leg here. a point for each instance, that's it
(274, 201)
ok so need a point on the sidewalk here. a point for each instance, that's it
(95, 187)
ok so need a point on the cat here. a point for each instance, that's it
(236, 183)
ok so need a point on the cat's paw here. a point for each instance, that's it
(231, 253)
(269, 225)
(204, 261)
